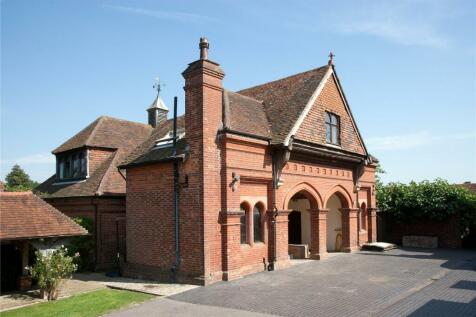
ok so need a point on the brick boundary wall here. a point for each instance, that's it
(448, 231)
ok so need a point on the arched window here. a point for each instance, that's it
(257, 227)
(244, 224)
(363, 217)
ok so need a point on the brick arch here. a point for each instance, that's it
(342, 193)
(307, 190)
(249, 207)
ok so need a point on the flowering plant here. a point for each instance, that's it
(51, 268)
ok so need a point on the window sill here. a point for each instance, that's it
(336, 146)
(69, 181)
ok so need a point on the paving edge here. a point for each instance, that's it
(132, 290)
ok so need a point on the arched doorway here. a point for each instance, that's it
(334, 224)
(299, 225)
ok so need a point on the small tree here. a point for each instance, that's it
(51, 268)
(18, 181)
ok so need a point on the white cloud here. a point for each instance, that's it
(39, 158)
(411, 141)
(401, 32)
(166, 15)
(404, 22)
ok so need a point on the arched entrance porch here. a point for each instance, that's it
(304, 220)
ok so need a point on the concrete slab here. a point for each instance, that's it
(137, 285)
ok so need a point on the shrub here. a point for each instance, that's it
(84, 245)
(51, 268)
(436, 200)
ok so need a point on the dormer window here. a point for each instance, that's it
(167, 140)
(72, 165)
(332, 128)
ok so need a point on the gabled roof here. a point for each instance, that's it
(107, 132)
(285, 99)
(24, 215)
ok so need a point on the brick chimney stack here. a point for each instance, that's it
(203, 119)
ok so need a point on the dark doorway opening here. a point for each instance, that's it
(11, 267)
(294, 227)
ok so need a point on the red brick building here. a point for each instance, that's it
(88, 184)
(262, 173)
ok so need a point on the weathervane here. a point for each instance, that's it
(331, 59)
(157, 85)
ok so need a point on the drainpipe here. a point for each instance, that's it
(274, 215)
(176, 194)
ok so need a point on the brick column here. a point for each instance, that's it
(349, 229)
(230, 224)
(372, 224)
(318, 248)
(282, 253)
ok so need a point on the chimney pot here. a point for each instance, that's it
(204, 45)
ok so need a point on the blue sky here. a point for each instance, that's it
(407, 67)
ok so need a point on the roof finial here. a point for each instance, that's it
(156, 86)
(204, 45)
(331, 59)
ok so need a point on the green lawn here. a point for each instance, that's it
(89, 304)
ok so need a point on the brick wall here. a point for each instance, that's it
(448, 231)
(98, 156)
(104, 211)
(313, 128)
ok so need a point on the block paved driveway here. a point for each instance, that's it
(394, 283)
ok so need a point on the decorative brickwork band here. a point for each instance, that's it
(349, 229)
(318, 248)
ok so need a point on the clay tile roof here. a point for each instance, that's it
(144, 153)
(24, 215)
(245, 115)
(284, 99)
(88, 187)
(107, 132)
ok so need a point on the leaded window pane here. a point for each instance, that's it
(76, 165)
(243, 227)
(257, 224)
(328, 133)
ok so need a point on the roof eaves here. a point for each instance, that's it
(341, 91)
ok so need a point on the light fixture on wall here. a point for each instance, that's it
(234, 182)
(357, 187)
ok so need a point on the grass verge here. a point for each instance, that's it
(89, 304)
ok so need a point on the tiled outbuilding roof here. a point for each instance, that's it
(107, 132)
(24, 215)
(87, 187)
(285, 99)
